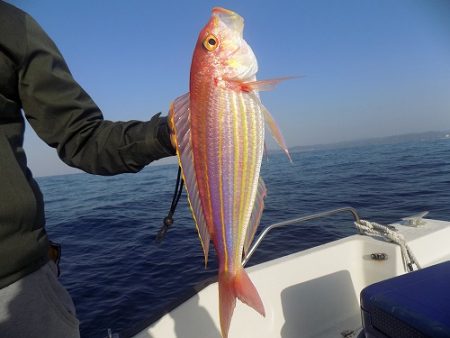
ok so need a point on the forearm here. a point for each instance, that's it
(109, 148)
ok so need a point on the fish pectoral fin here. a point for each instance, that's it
(264, 85)
(273, 127)
(275, 131)
(255, 216)
(179, 122)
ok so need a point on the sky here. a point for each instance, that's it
(368, 68)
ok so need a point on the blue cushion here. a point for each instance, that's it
(416, 304)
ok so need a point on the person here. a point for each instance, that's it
(36, 85)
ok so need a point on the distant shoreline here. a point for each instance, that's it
(423, 136)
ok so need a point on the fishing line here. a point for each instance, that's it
(168, 220)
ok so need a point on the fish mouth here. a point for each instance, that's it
(231, 19)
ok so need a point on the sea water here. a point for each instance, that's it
(119, 276)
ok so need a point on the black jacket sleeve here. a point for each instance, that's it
(66, 118)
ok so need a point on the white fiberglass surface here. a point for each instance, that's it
(313, 293)
(305, 294)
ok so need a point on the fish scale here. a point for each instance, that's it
(232, 169)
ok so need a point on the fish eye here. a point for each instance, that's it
(210, 42)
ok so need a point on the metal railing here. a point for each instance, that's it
(297, 220)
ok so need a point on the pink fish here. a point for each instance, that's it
(218, 129)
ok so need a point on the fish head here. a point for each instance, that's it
(221, 51)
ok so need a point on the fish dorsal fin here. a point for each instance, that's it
(255, 217)
(179, 118)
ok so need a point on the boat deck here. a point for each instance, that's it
(312, 293)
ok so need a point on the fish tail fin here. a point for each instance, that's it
(227, 300)
(247, 293)
(232, 287)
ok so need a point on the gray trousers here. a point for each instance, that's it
(38, 306)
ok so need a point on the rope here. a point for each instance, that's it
(168, 220)
(375, 229)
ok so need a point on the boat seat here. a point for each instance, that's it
(414, 305)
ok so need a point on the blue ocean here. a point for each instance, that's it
(119, 276)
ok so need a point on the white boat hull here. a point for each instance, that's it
(312, 293)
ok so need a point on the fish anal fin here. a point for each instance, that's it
(256, 214)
